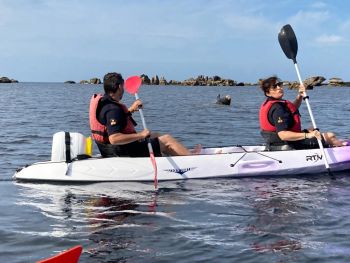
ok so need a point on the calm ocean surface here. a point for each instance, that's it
(294, 219)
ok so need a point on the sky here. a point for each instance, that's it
(59, 40)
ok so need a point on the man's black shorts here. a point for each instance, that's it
(311, 143)
(140, 148)
(134, 149)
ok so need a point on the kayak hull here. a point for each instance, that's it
(236, 161)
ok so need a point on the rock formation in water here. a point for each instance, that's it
(226, 100)
(7, 80)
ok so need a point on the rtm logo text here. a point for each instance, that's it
(314, 157)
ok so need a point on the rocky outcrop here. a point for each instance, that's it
(335, 82)
(174, 82)
(208, 81)
(292, 85)
(201, 80)
(318, 81)
(309, 83)
(7, 80)
(155, 80)
(145, 79)
(162, 81)
(95, 81)
(191, 82)
(314, 81)
(69, 82)
(216, 80)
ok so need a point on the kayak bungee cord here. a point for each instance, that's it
(245, 153)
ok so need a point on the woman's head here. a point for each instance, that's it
(272, 87)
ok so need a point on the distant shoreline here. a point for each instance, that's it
(202, 80)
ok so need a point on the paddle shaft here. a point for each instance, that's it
(306, 98)
(149, 145)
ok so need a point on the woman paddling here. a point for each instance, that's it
(280, 120)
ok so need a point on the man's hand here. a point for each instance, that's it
(136, 106)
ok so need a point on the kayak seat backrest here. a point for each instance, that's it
(109, 150)
(274, 143)
(106, 150)
(68, 146)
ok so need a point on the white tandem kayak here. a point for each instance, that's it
(235, 161)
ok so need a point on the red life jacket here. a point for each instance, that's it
(265, 125)
(98, 130)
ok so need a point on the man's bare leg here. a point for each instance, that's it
(332, 140)
(170, 146)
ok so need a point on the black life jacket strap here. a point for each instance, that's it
(99, 133)
(67, 142)
(133, 121)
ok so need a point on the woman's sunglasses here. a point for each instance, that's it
(278, 84)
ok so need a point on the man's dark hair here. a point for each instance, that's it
(111, 82)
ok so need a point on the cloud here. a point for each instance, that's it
(307, 19)
(247, 24)
(329, 39)
(319, 5)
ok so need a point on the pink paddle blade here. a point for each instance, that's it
(132, 84)
(153, 159)
(69, 256)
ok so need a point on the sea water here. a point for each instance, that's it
(275, 219)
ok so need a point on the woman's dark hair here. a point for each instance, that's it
(111, 82)
(265, 84)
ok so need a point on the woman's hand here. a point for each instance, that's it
(301, 90)
(313, 134)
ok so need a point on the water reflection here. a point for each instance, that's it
(283, 215)
(102, 217)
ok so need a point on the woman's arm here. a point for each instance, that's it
(299, 98)
(296, 136)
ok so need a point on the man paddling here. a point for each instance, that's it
(113, 127)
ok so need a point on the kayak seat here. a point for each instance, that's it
(284, 147)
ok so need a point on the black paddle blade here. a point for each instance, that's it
(288, 42)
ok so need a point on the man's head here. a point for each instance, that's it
(113, 83)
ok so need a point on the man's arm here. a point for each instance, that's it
(121, 138)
